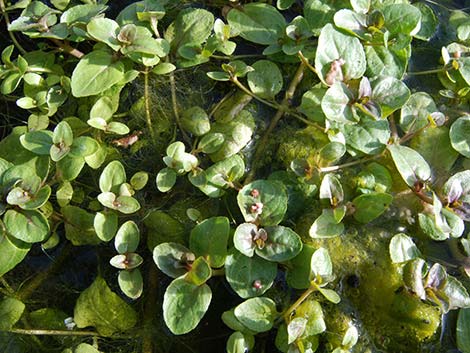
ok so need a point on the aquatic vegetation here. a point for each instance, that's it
(232, 175)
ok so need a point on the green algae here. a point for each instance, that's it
(371, 288)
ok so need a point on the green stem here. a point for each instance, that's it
(38, 332)
(427, 72)
(284, 106)
(349, 164)
(236, 57)
(68, 48)
(174, 103)
(7, 21)
(307, 63)
(286, 315)
(7, 286)
(247, 91)
(148, 114)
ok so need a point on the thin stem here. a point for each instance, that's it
(7, 21)
(236, 57)
(313, 287)
(410, 135)
(68, 48)
(307, 64)
(38, 332)
(424, 197)
(7, 286)
(393, 128)
(247, 91)
(284, 106)
(426, 72)
(349, 164)
(148, 114)
(174, 103)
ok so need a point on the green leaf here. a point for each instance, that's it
(330, 295)
(434, 144)
(64, 193)
(104, 30)
(296, 328)
(320, 12)
(463, 330)
(350, 337)
(457, 294)
(123, 204)
(172, 259)
(105, 225)
(369, 137)
(200, 272)
(192, 26)
(79, 226)
(281, 245)
(127, 238)
(102, 109)
(299, 272)
(184, 305)
(166, 179)
(391, 94)
(410, 164)
(266, 79)
(131, 283)
(11, 310)
(244, 238)
(263, 201)
(382, 61)
(139, 180)
(209, 238)
(211, 142)
(402, 248)
(249, 276)
(98, 306)
(326, 226)
(321, 266)
(368, 207)
(16, 250)
(112, 176)
(82, 13)
(257, 314)
(402, 19)
(460, 135)
(63, 134)
(163, 68)
(360, 6)
(95, 73)
(334, 45)
(336, 104)
(38, 142)
(353, 22)
(237, 134)
(416, 111)
(429, 22)
(218, 75)
(85, 348)
(237, 343)
(196, 121)
(28, 226)
(69, 168)
(127, 261)
(84, 146)
(258, 23)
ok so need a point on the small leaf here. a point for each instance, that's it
(320, 264)
(243, 239)
(463, 330)
(331, 189)
(127, 238)
(200, 272)
(410, 164)
(350, 337)
(184, 305)
(402, 248)
(249, 276)
(266, 79)
(28, 226)
(282, 244)
(173, 259)
(326, 226)
(196, 121)
(257, 314)
(112, 176)
(139, 180)
(131, 283)
(459, 135)
(209, 238)
(368, 207)
(166, 179)
(299, 272)
(11, 310)
(38, 142)
(237, 343)
(296, 328)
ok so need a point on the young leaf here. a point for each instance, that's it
(326, 226)
(249, 276)
(112, 176)
(299, 272)
(184, 305)
(368, 207)
(209, 238)
(459, 135)
(16, 250)
(320, 265)
(282, 244)
(463, 330)
(200, 272)
(127, 238)
(257, 314)
(172, 259)
(11, 310)
(258, 23)
(402, 248)
(166, 179)
(28, 226)
(266, 79)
